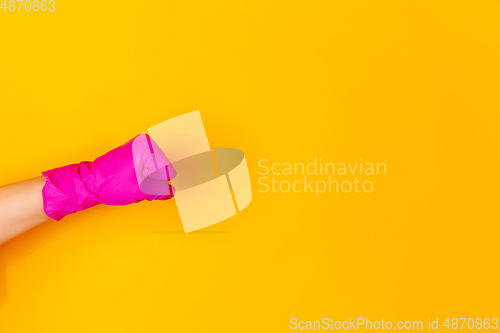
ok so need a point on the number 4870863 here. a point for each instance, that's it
(34, 5)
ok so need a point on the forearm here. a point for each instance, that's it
(21, 207)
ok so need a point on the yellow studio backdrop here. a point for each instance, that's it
(414, 85)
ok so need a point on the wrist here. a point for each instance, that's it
(65, 192)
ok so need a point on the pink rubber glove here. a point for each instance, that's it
(133, 172)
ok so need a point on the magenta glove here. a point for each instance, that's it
(133, 172)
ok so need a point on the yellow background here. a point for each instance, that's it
(412, 84)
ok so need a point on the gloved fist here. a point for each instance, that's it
(133, 172)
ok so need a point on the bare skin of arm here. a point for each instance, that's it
(21, 207)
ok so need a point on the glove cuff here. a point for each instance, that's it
(65, 192)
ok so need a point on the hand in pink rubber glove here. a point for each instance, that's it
(133, 172)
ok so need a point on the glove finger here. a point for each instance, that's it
(160, 193)
(150, 160)
(158, 162)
